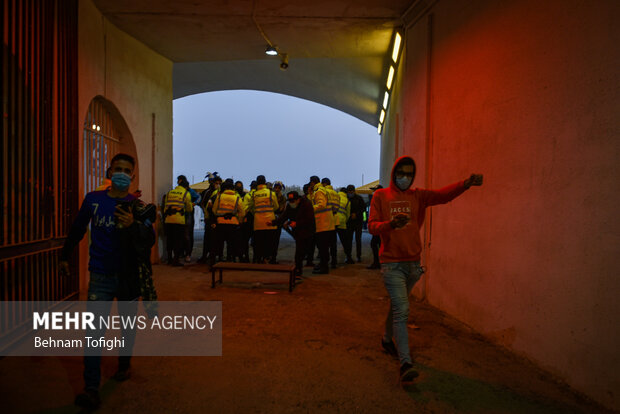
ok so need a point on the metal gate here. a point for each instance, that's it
(101, 143)
(39, 151)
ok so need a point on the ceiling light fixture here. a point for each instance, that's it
(284, 61)
(386, 98)
(271, 50)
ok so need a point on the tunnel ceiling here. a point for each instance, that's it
(337, 49)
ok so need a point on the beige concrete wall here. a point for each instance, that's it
(527, 93)
(138, 82)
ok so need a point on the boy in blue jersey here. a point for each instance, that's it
(118, 242)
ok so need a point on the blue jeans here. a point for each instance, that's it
(105, 288)
(399, 278)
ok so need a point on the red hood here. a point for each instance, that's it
(398, 161)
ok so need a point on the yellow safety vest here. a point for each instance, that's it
(228, 202)
(344, 210)
(247, 201)
(176, 203)
(333, 199)
(263, 203)
(323, 214)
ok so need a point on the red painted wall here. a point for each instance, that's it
(527, 93)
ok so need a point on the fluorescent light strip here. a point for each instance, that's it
(397, 40)
(379, 128)
(390, 78)
(386, 98)
(382, 116)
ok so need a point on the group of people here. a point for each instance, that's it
(121, 228)
(240, 219)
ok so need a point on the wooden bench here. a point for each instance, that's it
(259, 267)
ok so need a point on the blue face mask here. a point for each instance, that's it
(403, 183)
(121, 181)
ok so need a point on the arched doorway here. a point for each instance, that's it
(105, 135)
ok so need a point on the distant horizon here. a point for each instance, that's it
(293, 140)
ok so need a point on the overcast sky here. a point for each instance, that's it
(242, 134)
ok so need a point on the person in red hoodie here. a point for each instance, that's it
(396, 215)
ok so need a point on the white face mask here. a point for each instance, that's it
(403, 183)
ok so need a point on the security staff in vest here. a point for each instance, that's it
(344, 211)
(189, 218)
(324, 220)
(312, 242)
(228, 211)
(176, 203)
(247, 227)
(214, 184)
(334, 203)
(263, 204)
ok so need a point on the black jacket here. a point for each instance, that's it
(358, 206)
(136, 242)
(303, 216)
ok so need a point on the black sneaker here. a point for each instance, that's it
(389, 348)
(349, 261)
(89, 399)
(407, 373)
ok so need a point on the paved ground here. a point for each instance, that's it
(315, 350)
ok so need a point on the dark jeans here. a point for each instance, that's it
(207, 241)
(175, 241)
(375, 243)
(310, 249)
(264, 243)
(105, 288)
(323, 240)
(189, 234)
(301, 249)
(277, 242)
(333, 247)
(230, 234)
(244, 241)
(345, 240)
(355, 228)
